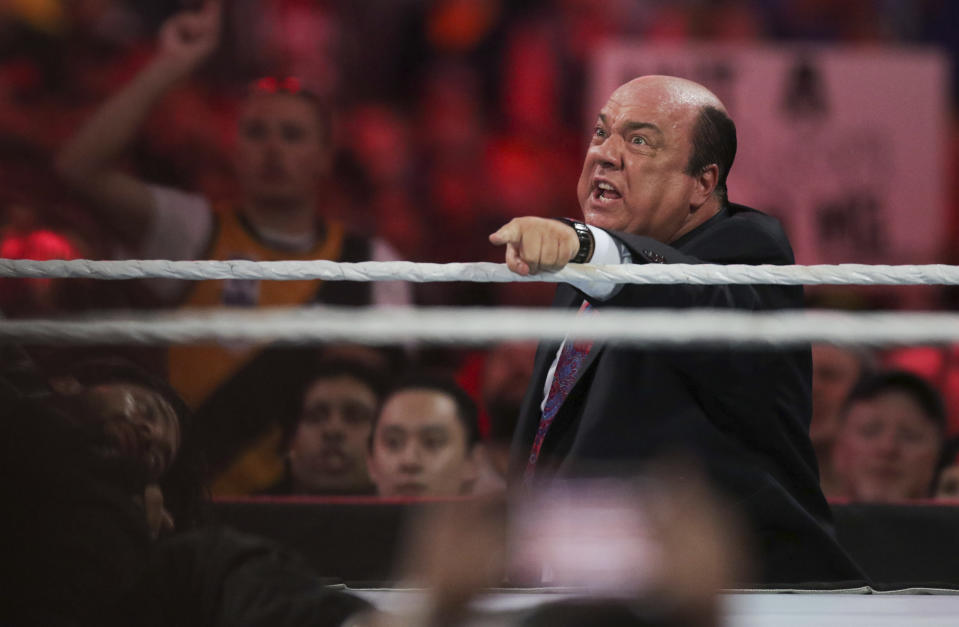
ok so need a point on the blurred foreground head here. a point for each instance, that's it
(655, 550)
(143, 426)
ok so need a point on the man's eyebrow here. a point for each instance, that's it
(632, 125)
(636, 126)
(433, 430)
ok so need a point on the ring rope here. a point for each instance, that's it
(472, 325)
(697, 274)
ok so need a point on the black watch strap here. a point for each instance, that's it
(586, 241)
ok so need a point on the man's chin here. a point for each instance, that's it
(412, 488)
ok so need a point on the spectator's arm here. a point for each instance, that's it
(88, 161)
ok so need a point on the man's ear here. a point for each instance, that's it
(706, 182)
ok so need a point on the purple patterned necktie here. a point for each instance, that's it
(567, 368)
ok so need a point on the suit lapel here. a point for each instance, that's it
(531, 414)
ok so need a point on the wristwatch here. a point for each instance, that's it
(586, 241)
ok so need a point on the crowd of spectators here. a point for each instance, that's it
(448, 118)
(452, 116)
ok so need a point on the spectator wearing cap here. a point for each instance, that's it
(890, 440)
(424, 440)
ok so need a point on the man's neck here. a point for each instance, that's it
(699, 217)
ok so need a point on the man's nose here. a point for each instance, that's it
(608, 154)
(333, 429)
(411, 459)
(889, 445)
(272, 144)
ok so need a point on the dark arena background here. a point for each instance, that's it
(257, 438)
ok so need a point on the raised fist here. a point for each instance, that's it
(189, 37)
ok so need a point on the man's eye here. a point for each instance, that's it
(433, 444)
(638, 140)
(599, 132)
(254, 130)
(392, 441)
(911, 436)
(393, 444)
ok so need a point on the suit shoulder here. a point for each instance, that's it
(753, 237)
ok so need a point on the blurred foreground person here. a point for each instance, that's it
(835, 371)
(282, 161)
(326, 447)
(94, 468)
(891, 438)
(653, 190)
(424, 440)
(88, 458)
(654, 551)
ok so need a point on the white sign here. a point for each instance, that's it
(845, 145)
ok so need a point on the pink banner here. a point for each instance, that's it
(845, 145)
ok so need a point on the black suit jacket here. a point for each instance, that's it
(743, 414)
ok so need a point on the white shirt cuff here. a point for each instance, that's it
(605, 252)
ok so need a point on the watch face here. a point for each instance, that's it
(585, 242)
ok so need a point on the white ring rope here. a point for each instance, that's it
(699, 274)
(473, 325)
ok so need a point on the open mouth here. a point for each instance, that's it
(605, 191)
(332, 461)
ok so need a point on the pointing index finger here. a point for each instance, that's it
(506, 234)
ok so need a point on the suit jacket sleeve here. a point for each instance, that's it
(739, 240)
